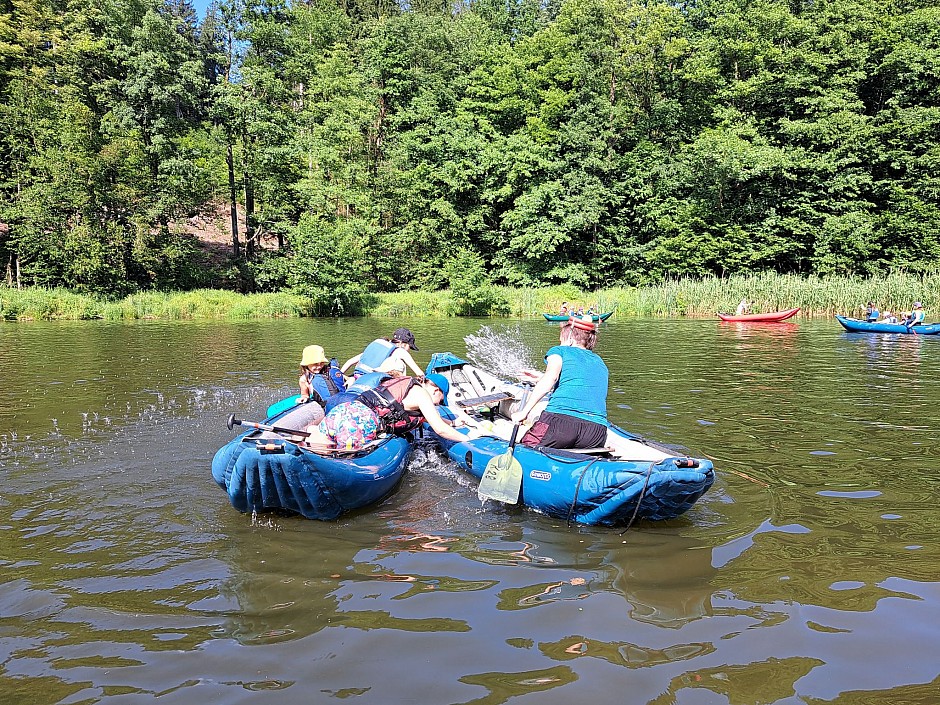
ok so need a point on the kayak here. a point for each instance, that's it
(630, 478)
(855, 325)
(561, 317)
(772, 317)
(266, 470)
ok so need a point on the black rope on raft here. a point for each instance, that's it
(639, 501)
(577, 489)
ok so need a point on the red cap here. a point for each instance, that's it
(584, 323)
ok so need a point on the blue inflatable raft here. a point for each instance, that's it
(856, 326)
(265, 470)
(627, 480)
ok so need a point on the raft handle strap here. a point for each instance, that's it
(649, 472)
(577, 489)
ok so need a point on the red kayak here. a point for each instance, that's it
(772, 317)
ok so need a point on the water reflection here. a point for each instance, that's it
(128, 575)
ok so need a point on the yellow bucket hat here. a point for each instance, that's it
(313, 355)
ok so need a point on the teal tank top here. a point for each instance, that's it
(582, 386)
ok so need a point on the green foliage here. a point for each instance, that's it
(40, 304)
(393, 148)
(472, 292)
(693, 297)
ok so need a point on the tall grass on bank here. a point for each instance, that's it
(36, 304)
(701, 298)
(435, 304)
(682, 297)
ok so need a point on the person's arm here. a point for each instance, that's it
(403, 354)
(420, 398)
(350, 361)
(542, 387)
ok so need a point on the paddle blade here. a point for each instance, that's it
(501, 480)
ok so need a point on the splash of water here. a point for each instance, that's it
(501, 351)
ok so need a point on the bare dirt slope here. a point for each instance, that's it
(212, 230)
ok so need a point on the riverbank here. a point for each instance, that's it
(685, 297)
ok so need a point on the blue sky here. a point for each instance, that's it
(201, 6)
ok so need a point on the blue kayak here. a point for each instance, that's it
(630, 479)
(265, 470)
(855, 325)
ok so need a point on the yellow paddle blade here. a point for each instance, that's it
(501, 480)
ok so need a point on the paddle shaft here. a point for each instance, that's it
(232, 422)
(512, 439)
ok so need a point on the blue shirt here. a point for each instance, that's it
(582, 385)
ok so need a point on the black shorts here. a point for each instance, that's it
(563, 431)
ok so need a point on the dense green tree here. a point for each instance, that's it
(374, 145)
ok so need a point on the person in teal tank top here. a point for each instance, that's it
(576, 415)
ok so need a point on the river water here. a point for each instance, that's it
(809, 573)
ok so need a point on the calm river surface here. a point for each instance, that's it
(809, 573)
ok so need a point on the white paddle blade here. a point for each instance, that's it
(501, 480)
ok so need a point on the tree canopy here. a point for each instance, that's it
(378, 146)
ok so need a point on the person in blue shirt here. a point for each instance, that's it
(917, 316)
(871, 312)
(576, 414)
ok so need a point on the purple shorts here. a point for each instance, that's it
(563, 431)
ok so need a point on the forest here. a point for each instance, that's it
(374, 146)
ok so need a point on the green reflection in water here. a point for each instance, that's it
(504, 686)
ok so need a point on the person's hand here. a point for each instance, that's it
(473, 433)
(519, 417)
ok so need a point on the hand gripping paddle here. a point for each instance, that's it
(502, 478)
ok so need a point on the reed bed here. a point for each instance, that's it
(696, 298)
(37, 304)
(704, 298)
(40, 304)
(436, 304)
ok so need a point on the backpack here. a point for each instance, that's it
(335, 374)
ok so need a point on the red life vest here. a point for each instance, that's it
(386, 401)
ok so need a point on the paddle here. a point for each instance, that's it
(502, 478)
(232, 422)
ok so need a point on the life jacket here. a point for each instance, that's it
(326, 385)
(376, 352)
(386, 401)
(362, 384)
(336, 375)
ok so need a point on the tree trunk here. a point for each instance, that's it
(230, 161)
(249, 216)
